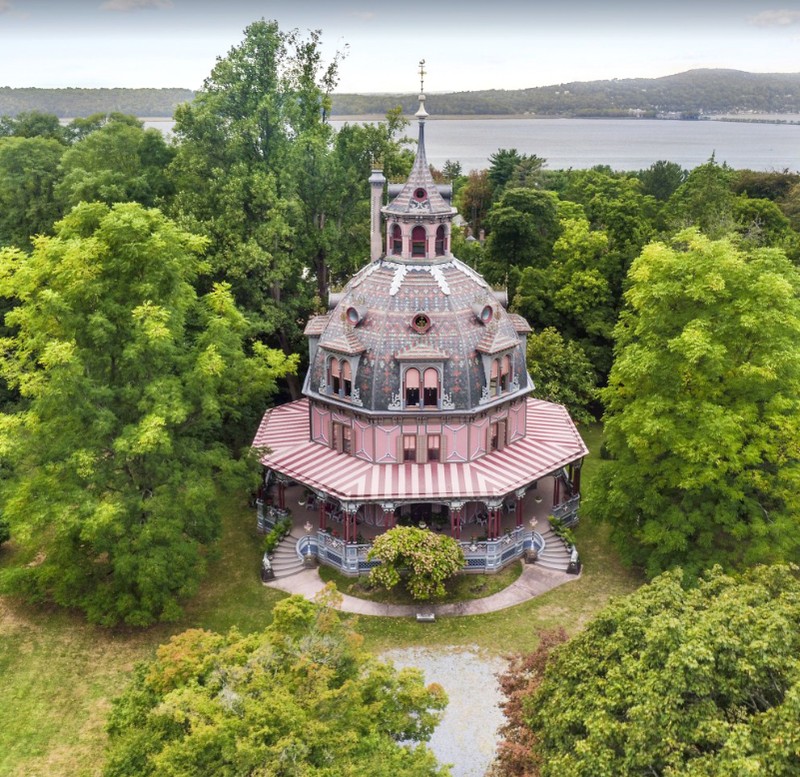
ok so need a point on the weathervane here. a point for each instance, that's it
(422, 76)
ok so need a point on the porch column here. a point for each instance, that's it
(556, 490)
(456, 516)
(520, 495)
(282, 494)
(493, 529)
(576, 476)
(388, 514)
(323, 516)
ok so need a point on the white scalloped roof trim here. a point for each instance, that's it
(397, 281)
(438, 275)
(364, 274)
(469, 272)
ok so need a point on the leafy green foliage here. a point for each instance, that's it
(28, 175)
(424, 558)
(117, 162)
(703, 408)
(662, 179)
(561, 373)
(302, 697)
(669, 680)
(5, 531)
(129, 383)
(33, 124)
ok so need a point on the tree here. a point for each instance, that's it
(300, 698)
(33, 124)
(561, 373)
(129, 385)
(118, 162)
(573, 291)
(705, 199)
(28, 175)
(662, 179)
(523, 225)
(474, 199)
(5, 531)
(256, 129)
(81, 127)
(670, 680)
(424, 558)
(703, 408)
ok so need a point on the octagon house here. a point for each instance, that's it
(418, 406)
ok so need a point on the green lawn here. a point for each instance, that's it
(59, 674)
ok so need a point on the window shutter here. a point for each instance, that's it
(442, 447)
(422, 448)
(502, 428)
(400, 454)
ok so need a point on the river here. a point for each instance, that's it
(622, 144)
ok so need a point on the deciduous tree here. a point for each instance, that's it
(300, 698)
(129, 385)
(701, 681)
(425, 559)
(703, 408)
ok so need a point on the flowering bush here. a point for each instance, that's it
(425, 559)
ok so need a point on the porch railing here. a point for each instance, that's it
(568, 511)
(485, 556)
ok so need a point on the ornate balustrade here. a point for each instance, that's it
(485, 556)
(568, 511)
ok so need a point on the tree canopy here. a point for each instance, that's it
(128, 382)
(703, 408)
(701, 681)
(300, 698)
(423, 559)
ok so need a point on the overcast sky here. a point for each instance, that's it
(503, 44)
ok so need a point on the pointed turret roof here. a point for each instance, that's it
(420, 195)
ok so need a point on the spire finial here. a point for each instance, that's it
(422, 76)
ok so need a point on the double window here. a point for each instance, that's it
(397, 240)
(500, 376)
(342, 437)
(421, 390)
(418, 241)
(340, 377)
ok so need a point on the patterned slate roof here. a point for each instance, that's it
(347, 343)
(316, 325)
(496, 340)
(520, 324)
(422, 352)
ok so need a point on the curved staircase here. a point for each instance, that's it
(555, 554)
(285, 559)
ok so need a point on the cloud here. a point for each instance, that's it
(133, 5)
(781, 18)
(363, 15)
(5, 6)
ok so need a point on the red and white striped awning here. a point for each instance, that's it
(551, 442)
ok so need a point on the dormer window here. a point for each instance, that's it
(418, 241)
(440, 241)
(397, 240)
(340, 378)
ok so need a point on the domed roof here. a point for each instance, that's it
(394, 315)
(417, 309)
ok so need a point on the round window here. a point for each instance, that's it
(421, 322)
(486, 314)
(352, 316)
(420, 194)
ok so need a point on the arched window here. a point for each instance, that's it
(431, 392)
(418, 241)
(411, 387)
(494, 378)
(347, 378)
(505, 373)
(440, 241)
(397, 240)
(335, 376)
